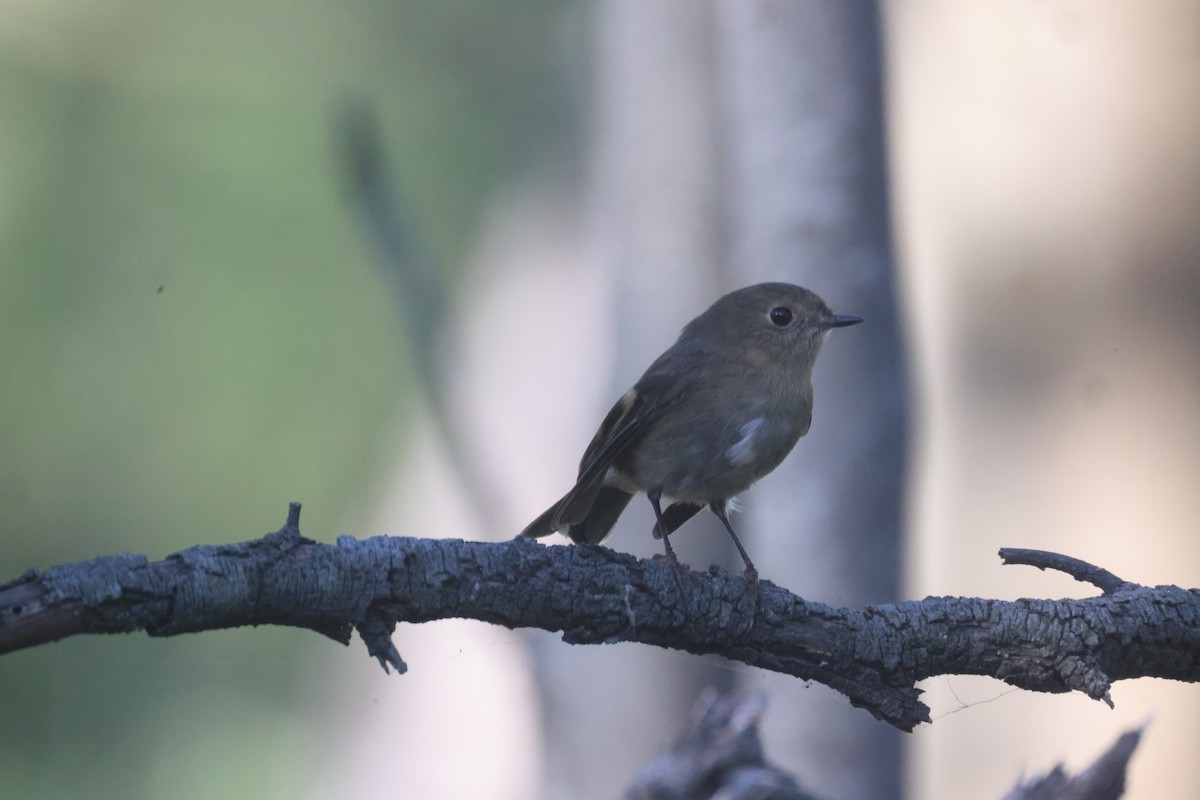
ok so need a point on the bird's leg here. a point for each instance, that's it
(750, 574)
(655, 496)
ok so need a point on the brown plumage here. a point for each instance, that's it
(717, 411)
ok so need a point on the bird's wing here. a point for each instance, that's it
(628, 419)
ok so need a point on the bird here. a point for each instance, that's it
(721, 408)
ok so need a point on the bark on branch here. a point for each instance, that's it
(594, 595)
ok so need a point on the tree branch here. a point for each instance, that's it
(1081, 571)
(594, 595)
(719, 754)
(1104, 780)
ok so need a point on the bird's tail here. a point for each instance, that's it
(675, 515)
(595, 527)
(544, 525)
(584, 523)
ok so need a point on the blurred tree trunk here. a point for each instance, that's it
(738, 142)
(808, 203)
(655, 216)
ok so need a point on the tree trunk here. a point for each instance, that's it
(808, 204)
(740, 142)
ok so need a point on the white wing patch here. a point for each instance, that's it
(741, 452)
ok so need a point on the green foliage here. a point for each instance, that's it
(193, 330)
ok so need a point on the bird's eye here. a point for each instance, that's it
(781, 317)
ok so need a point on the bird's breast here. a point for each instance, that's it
(709, 458)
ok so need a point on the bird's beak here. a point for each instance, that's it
(838, 321)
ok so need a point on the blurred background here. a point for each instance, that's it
(395, 260)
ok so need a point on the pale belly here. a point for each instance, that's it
(702, 463)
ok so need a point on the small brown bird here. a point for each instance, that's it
(713, 414)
